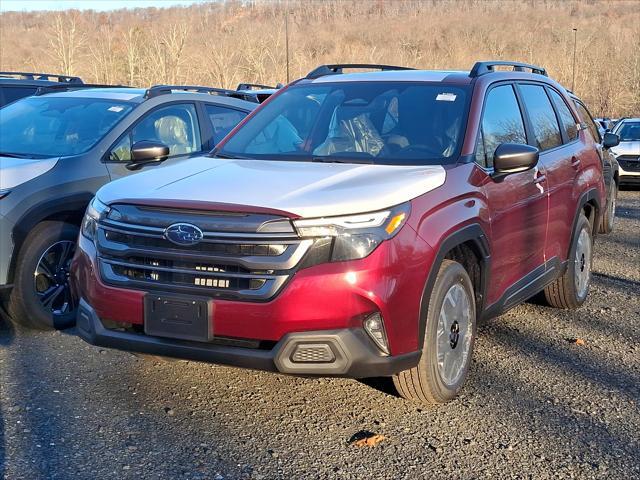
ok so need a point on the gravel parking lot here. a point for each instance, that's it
(538, 404)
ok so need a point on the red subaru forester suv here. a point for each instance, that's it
(357, 224)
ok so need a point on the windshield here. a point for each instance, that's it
(629, 132)
(375, 122)
(37, 127)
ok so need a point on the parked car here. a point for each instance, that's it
(604, 124)
(16, 85)
(610, 167)
(57, 149)
(628, 152)
(357, 224)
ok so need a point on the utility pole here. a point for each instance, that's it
(286, 35)
(575, 41)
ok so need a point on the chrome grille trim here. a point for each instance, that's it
(237, 265)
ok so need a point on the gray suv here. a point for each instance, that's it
(57, 149)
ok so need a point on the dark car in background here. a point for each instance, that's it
(17, 85)
(57, 149)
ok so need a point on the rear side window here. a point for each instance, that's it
(501, 123)
(586, 118)
(568, 122)
(223, 120)
(543, 118)
(11, 94)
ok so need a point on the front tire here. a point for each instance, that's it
(450, 332)
(571, 289)
(41, 297)
(608, 219)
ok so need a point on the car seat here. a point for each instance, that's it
(172, 131)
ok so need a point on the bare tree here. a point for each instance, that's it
(66, 41)
(133, 52)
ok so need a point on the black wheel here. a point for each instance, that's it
(448, 341)
(41, 297)
(609, 217)
(571, 289)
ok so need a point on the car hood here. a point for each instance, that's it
(302, 189)
(627, 148)
(15, 171)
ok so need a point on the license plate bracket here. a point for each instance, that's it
(178, 316)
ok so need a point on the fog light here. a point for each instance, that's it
(374, 326)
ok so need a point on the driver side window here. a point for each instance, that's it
(176, 126)
(501, 123)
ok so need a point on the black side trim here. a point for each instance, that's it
(584, 198)
(526, 287)
(473, 233)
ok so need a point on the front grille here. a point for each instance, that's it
(231, 262)
(630, 163)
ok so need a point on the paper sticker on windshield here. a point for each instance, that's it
(446, 97)
(116, 109)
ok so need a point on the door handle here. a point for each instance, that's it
(575, 162)
(539, 178)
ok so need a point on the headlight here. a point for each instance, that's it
(353, 236)
(95, 211)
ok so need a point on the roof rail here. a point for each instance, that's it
(157, 90)
(42, 76)
(336, 69)
(257, 86)
(481, 68)
(66, 87)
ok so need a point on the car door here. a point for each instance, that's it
(517, 203)
(176, 125)
(560, 154)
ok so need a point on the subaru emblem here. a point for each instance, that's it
(183, 234)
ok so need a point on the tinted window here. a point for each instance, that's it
(11, 94)
(175, 125)
(586, 118)
(223, 120)
(566, 117)
(374, 122)
(501, 122)
(543, 118)
(50, 126)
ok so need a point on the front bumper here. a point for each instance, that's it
(352, 354)
(628, 176)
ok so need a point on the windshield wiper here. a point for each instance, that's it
(367, 161)
(14, 155)
(230, 157)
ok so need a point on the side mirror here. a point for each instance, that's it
(145, 152)
(610, 140)
(513, 158)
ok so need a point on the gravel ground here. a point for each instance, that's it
(537, 404)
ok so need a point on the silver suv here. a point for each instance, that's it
(628, 151)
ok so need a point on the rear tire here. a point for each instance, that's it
(41, 298)
(608, 219)
(450, 332)
(571, 289)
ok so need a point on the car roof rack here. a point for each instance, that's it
(337, 69)
(482, 68)
(66, 87)
(257, 86)
(42, 76)
(157, 90)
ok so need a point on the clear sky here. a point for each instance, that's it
(102, 5)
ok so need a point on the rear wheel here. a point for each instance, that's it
(571, 289)
(448, 341)
(608, 219)
(41, 297)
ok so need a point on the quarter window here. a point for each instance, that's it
(566, 117)
(543, 118)
(501, 123)
(586, 118)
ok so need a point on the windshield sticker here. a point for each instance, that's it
(446, 97)
(116, 109)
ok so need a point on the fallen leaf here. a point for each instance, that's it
(371, 441)
(580, 342)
